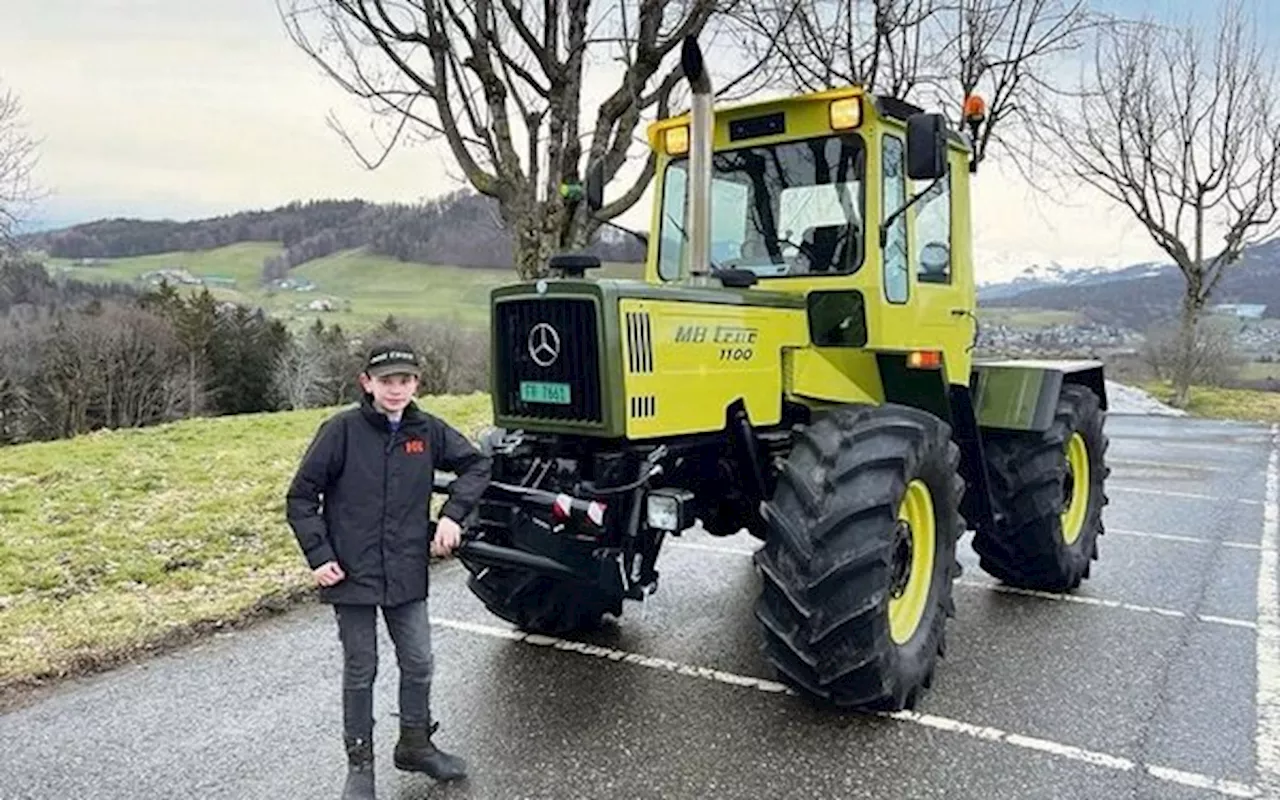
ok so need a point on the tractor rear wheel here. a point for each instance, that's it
(1050, 488)
(860, 557)
(538, 604)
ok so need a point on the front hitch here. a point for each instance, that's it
(579, 512)
(492, 555)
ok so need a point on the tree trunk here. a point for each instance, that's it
(538, 228)
(191, 382)
(1184, 365)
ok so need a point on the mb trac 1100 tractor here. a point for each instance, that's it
(797, 362)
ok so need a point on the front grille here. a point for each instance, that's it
(570, 322)
(639, 343)
(644, 406)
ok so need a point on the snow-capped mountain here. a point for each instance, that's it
(1039, 276)
(1137, 294)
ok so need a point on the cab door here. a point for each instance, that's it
(941, 269)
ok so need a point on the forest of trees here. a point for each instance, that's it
(77, 357)
(461, 229)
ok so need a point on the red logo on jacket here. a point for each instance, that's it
(415, 446)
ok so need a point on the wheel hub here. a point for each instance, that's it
(1075, 489)
(914, 549)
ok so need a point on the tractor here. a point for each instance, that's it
(796, 363)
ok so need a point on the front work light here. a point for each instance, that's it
(677, 140)
(669, 509)
(845, 113)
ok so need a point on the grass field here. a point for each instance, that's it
(1258, 371)
(1215, 403)
(364, 287)
(114, 541)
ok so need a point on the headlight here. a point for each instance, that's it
(668, 509)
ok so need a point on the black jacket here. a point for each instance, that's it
(376, 490)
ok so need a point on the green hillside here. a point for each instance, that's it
(360, 287)
(117, 540)
(377, 286)
(239, 262)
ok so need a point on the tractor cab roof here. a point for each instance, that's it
(790, 117)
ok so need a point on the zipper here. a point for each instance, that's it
(382, 538)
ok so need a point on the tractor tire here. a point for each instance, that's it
(858, 566)
(1050, 532)
(538, 604)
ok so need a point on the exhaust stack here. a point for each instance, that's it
(701, 131)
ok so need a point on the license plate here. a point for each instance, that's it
(538, 392)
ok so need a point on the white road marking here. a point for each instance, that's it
(1169, 464)
(1190, 495)
(1267, 741)
(1217, 448)
(1171, 537)
(1098, 601)
(1105, 760)
(1064, 598)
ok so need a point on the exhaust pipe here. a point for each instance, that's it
(701, 131)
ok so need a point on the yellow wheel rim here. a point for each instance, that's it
(1076, 489)
(915, 547)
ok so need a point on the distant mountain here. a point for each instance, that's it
(460, 229)
(1138, 295)
(1040, 276)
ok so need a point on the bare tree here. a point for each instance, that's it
(1181, 128)
(935, 53)
(139, 356)
(1214, 359)
(502, 83)
(299, 371)
(21, 414)
(17, 162)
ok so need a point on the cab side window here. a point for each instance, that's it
(933, 232)
(894, 196)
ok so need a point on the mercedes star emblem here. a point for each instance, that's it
(544, 344)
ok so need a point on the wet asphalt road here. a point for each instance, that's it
(1145, 689)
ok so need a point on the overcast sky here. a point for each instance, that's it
(181, 109)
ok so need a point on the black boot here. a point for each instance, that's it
(359, 784)
(416, 753)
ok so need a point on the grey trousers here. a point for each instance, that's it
(410, 632)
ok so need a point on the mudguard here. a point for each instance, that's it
(1021, 395)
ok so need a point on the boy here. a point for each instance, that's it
(374, 467)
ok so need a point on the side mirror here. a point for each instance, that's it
(595, 186)
(935, 259)
(926, 146)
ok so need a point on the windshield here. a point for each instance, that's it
(785, 209)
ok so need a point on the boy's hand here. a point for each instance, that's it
(329, 573)
(448, 537)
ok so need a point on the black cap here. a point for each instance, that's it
(391, 358)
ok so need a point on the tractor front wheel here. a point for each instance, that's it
(859, 560)
(1050, 488)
